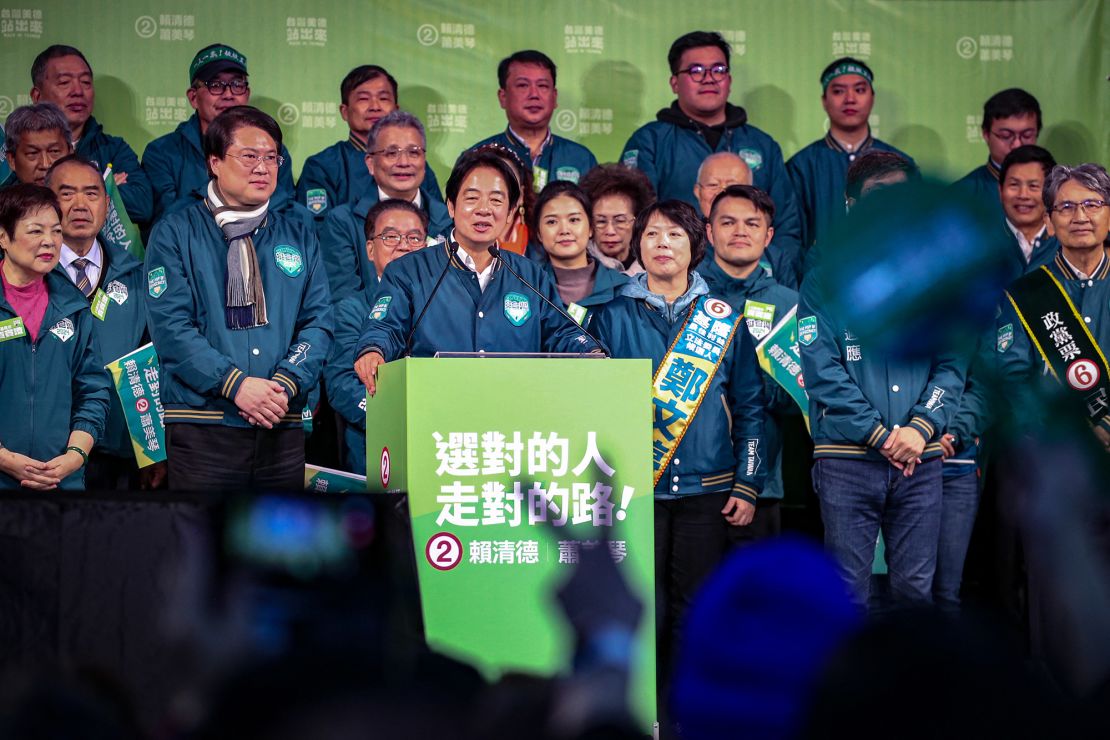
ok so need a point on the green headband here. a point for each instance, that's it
(216, 54)
(846, 68)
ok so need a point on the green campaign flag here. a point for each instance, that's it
(528, 463)
(319, 479)
(118, 228)
(779, 357)
(136, 377)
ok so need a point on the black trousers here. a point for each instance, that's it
(106, 472)
(690, 541)
(210, 457)
(766, 523)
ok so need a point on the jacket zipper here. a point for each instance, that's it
(34, 383)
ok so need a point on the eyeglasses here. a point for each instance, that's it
(392, 239)
(393, 153)
(251, 160)
(619, 222)
(1007, 136)
(217, 87)
(1070, 208)
(698, 72)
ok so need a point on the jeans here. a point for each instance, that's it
(860, 498)
(210, 457)
(959, 504)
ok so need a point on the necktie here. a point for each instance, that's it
(83, 283)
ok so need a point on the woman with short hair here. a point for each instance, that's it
(707, 401)
(54, 385)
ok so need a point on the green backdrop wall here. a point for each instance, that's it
(936, 61)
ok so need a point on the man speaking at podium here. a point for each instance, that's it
(466, 295)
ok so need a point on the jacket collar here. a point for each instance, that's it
(607, 282)
(190, 129)
(356, 142)
(63, 297)
(92, 130)
(833, 144)
(723, 283)
(1100, 273)
(118, 262)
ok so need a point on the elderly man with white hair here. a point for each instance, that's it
(717, 172)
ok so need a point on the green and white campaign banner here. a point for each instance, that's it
(137, 385)
(118, 228)
(512, 467)
(779, 357)
(935, 63)
(318, 479)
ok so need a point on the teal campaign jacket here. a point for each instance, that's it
(55, 385)
(203, 361)
(121, 331)
(982, 185)
(176, 167)
(343, 241)
(607, 286)
(723, 446)
(506, 317)
(857, 393)
(973, 415)
(337, 176)
(761, 287)
(820, 173)
(104, 149)
(560, 159)
(346, 393)
(670, 149)
(1021, 367)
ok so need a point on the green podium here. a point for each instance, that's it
(511, 467)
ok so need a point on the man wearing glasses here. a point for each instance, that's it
(527, 94)
(1011, 118)
(393, 228)
(240, 314)
(1059, 314)
(175, 163)
(701, 122)
(395, 159)
(337, 175)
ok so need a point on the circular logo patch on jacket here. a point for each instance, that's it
(289, 260)
(517, 308)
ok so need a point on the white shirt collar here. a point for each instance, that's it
(485, 275)
(1079, 273)
(1027, 247)
(417, 201)
(95, 255)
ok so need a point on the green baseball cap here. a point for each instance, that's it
(212, 60)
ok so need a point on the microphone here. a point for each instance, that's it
(435, 289)
(493, 250)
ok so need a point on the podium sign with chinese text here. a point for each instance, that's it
(511, 467)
